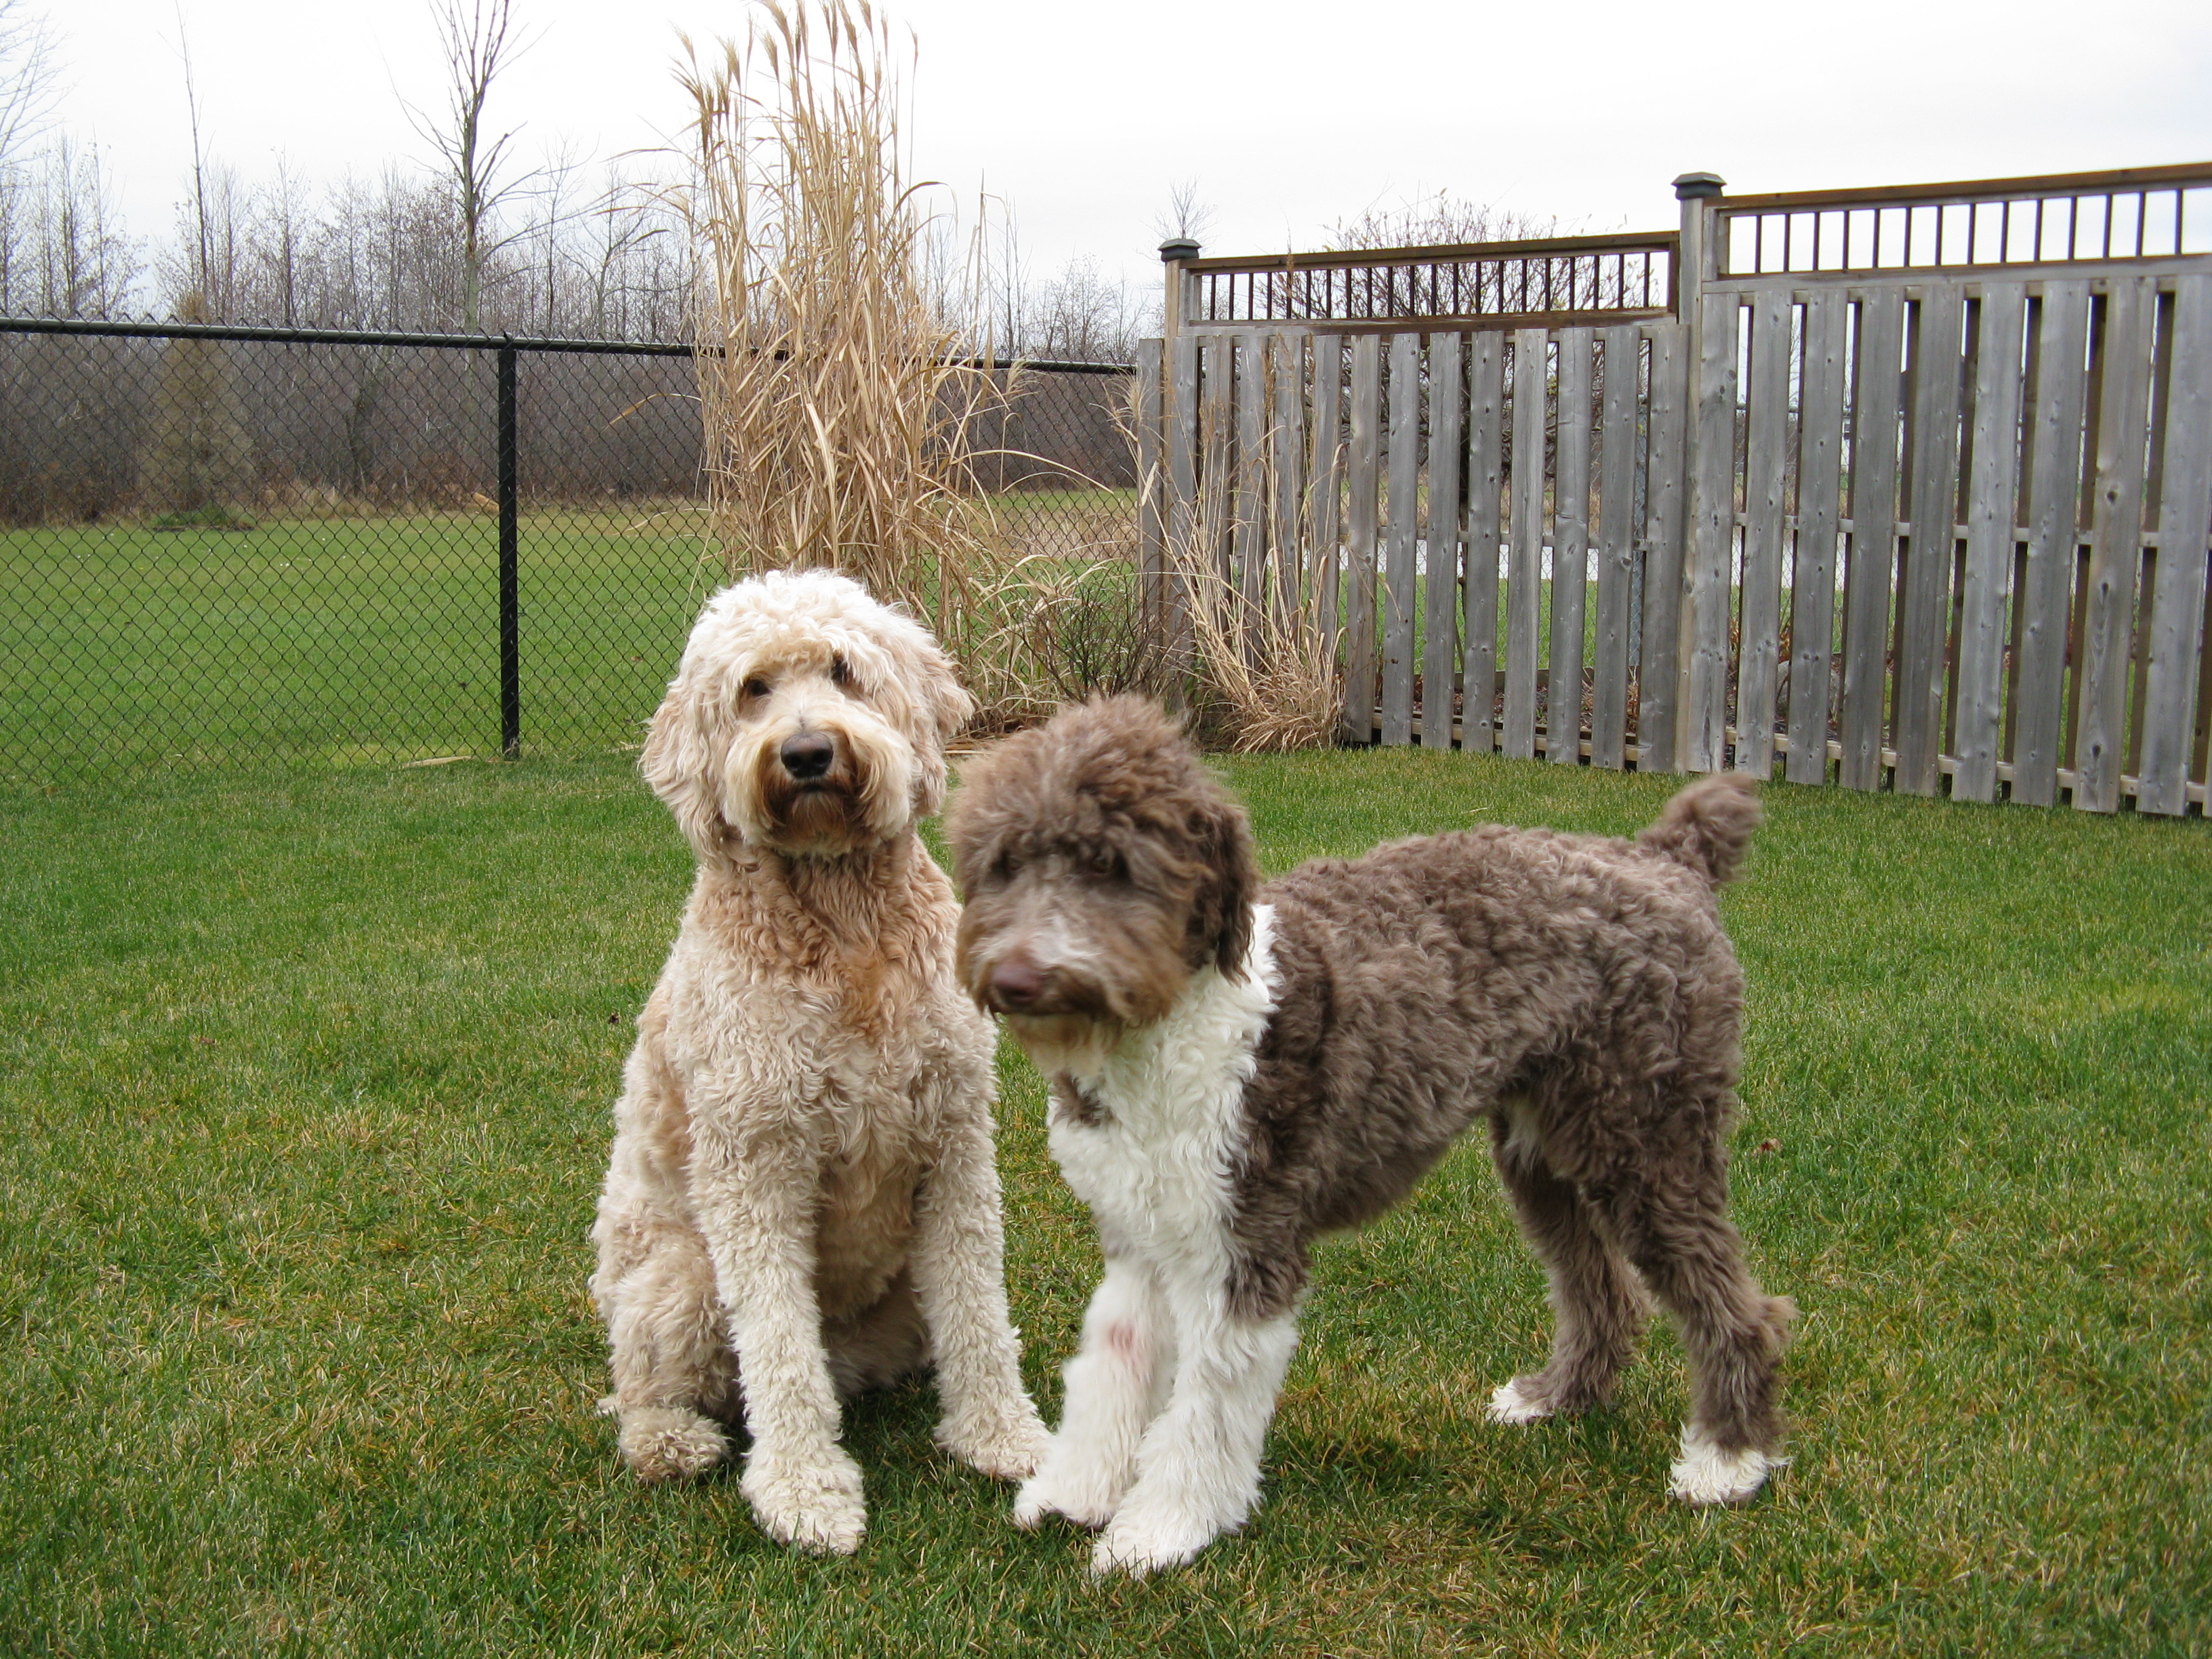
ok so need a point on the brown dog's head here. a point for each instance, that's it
(805, 718)
(1102, 865)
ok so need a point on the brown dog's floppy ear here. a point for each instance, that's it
(683, 762)
(1221, 908)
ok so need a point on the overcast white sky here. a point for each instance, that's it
(1287, 114)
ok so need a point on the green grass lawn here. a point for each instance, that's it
(344, 640)
(363, 640)
(307, 1081)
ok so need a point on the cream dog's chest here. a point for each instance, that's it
(814, 1051)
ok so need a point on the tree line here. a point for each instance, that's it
(472, 238)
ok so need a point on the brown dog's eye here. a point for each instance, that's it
(1105, 863)
(840, 672)
(757, 687)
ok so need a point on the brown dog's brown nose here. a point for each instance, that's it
(1017, 982)
(807, 756)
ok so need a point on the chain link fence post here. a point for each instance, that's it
(510, 574)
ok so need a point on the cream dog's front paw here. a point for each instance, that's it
(667, 1442)
(1008, 1444)
(814, 1506)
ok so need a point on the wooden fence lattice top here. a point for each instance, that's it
(2145, 213)
(1608, 277)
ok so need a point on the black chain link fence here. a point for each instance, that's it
(234, 545)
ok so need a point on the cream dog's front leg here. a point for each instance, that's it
(756, 1197)
(959, 1274)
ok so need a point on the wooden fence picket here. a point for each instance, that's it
(1324, 496)
(1485, 485)
(2173, 723)
(1871, 554)
(1402, 516)
(1616, 536)
(1707, 557)
(1249, 517)
(1819, 516)
(2116, 495)
(1666, 522)
(1286, 439)
(1929, 551)
(1440, 599)
(1362, 545)
(2047, 584)
(1766, 458)
(1992, 513)
(1563, 696)
(1524, 563)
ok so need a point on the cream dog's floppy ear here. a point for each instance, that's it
(685, 750)
(945, 706)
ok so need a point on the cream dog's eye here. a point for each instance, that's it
(757, 687)
(840, 672)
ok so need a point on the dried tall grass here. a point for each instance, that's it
(838, 400)
(1266, 671)
(1257, 659)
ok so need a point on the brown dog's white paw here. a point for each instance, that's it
(1515, 1402)
(1086, 1495)
(669, 1443)
(1704, 1474)
(1144, 1539)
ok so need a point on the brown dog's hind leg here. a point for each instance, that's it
(1691, 1257)
(1598, 1314)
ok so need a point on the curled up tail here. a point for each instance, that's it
(1707, 827)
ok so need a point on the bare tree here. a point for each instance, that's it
(1080, 316)
(84, 264)
(202, 281)
(1187, 218)
(27, 96)
(479, 41)
(1437, 220)
(27, 78)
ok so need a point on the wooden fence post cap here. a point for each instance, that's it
(1692, 186)
(1176, 249)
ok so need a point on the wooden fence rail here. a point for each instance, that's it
(1940, 530)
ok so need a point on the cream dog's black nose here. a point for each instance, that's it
(807, 756)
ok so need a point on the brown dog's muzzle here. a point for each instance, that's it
(1015, 981)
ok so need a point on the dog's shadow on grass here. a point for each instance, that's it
(1536, 1497)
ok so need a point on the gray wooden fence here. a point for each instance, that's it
(1907, 488)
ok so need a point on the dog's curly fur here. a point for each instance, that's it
(1240, 1068)
(802, 1199)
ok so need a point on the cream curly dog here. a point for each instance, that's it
(803, 1202)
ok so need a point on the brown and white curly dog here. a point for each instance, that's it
(803, 1200)
(1237, 1068)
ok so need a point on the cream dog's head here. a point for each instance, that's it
(805, 718)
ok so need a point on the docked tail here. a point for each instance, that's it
(1707, 827)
